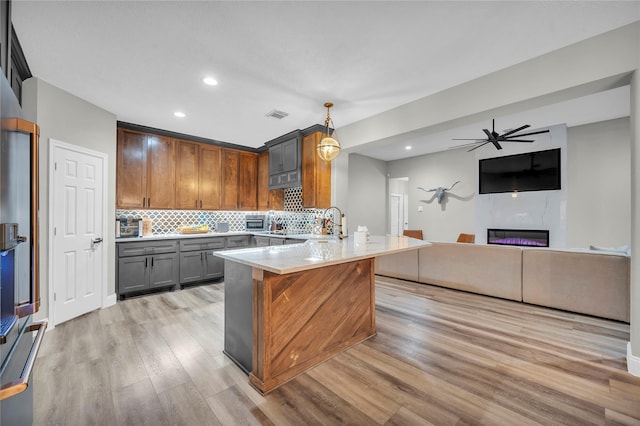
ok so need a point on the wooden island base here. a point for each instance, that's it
(304, 318)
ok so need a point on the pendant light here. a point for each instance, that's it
(329, 147)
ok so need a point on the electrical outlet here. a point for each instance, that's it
(419, 208)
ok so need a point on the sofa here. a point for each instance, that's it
(584, 281)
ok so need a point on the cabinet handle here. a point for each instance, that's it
(144, 201)
(200, 203)
(146, 262)
(152, 262)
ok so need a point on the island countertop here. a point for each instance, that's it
(318, 252)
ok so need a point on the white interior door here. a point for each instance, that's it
(78, 256)
(396, 215)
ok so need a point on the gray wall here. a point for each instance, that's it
(599, 173)
(367, 191)
(456, 214)
(69, 119)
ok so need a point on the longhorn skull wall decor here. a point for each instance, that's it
(440, 191)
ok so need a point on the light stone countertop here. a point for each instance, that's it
(318, 252)
(178, 236)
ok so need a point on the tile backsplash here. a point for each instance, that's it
(294, 218)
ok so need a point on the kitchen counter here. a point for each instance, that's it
(317, 252)
(289, 308)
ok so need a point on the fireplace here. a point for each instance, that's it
(518, 237)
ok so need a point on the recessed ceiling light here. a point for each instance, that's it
(408, 147)
(210, 81)
(180, 114)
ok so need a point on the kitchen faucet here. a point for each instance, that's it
(333, 222)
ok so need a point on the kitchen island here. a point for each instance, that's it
(289, 308)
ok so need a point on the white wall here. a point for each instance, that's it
(367, 202)
(456, 214)
(69, 119)
(599, 173)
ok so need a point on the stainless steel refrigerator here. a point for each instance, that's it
(20, 337)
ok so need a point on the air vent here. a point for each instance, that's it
(276, 114)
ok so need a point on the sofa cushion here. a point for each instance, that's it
(484, 269)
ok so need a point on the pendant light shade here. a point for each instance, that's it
(329, 147)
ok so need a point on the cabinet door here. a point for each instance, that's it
(247, 194)
(276, 241)
(213, 265)
(290, 155)
(161, 172)
(316, 175)
(132, 274)
(163, 270)
(187, 162)
(210, 177)
(131, 177)
(230, 179)
(275, 159)
(191, 267)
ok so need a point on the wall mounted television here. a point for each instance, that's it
(531, 171)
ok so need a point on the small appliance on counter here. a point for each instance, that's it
(130, 226)
(255, 222)
(222, 227)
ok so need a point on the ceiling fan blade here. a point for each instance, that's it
(529, 134)
(474, 148)
(518, 140)
(470, 139)
(510, 132)
(464, 145)
(496, 144)
(489, 135)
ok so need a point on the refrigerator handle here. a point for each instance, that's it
(13, 388)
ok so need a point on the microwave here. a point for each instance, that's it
(255, 222)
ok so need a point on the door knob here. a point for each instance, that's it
(94, 242)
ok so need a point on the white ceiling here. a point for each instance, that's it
(143, 60)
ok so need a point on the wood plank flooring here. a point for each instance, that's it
(440, 357)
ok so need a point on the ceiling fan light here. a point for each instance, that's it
(328, 148)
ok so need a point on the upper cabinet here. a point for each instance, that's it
(267, 199)
(145, 164)
(239, 180)
(316, 174)
(197, 176)
(284, 162)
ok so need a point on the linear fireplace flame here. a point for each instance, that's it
(518, 237)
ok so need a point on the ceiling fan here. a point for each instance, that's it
(495, 138)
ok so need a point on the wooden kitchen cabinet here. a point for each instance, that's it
(316, 174)
(198, 176)
(145, 171)
(267, 199)
(239, 180)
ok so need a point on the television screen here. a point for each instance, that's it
(532, 171)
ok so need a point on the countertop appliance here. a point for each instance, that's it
(255, 222)
(19, 288)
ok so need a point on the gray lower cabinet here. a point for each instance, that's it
(268, 241)
(147, 265)
(197, 262)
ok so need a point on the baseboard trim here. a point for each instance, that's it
(633, 362)
(110, 301)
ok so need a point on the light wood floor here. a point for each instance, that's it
(440, 357)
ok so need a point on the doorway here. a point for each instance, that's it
(398, 206)
(77, 256)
